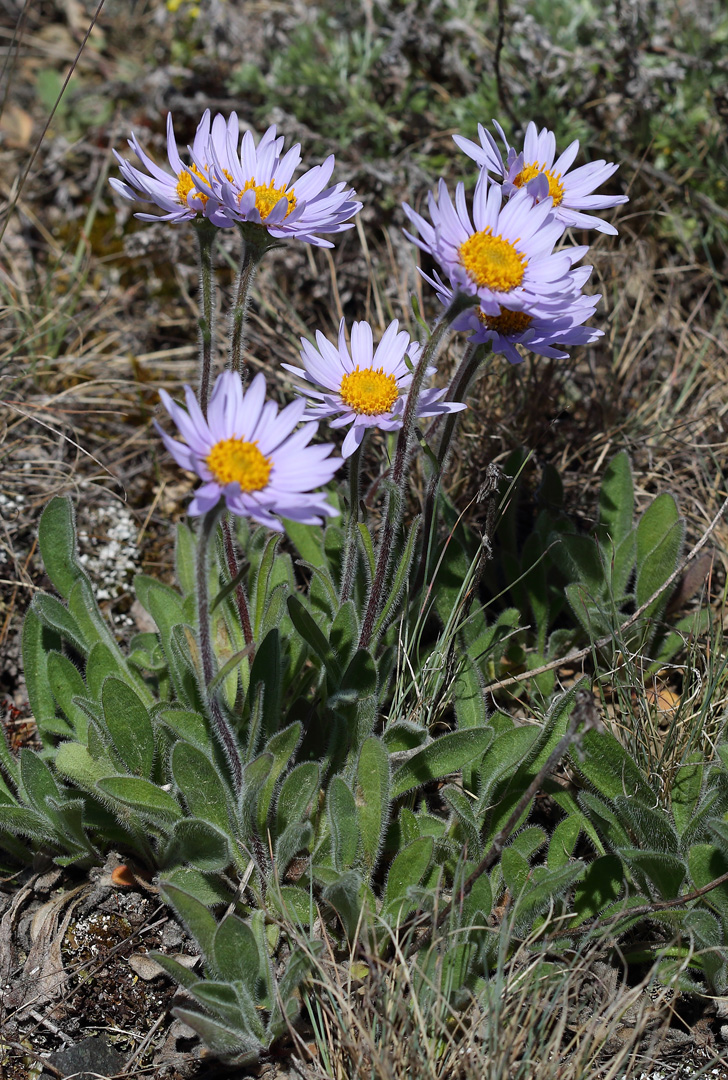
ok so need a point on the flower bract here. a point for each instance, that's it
(537, 169)
(185, 193)
(363, 386)
(256, 187)
(247, 453)
(505, 255)
(541, 334)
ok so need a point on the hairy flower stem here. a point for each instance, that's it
(471, 361)
(351, 544)
(241, 600)
(252, 254)
(222, 729)
(395, 502)
(206, 237)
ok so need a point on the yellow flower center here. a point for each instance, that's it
(556, 188)
(507, 322)
(268, 195)
(237, 461)
(186, 184)
(492, 262)
(370, 391)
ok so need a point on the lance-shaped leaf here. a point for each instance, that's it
(195, 916)
(665, 871)
(37, 643)
(342, 814)
(372, 798)
(601, 884)
(443, 756)
(143, 796)
(313, 636)
(462, 808)
(616, 501)
(55, 616)
(267, 672)
(189, 726)
(57, 543)
(205, 792)
(297, 794)
(38, 782)
(129, 725)
(221, 1038)
(66, 683)
(706, 864)
(76, 763)
(407, 870)
(185, 557)
(607, 765)
(199, 844)
(660, 533)
(236, 953)
(350, 897)
(280, 748)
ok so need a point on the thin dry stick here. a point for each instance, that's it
(579, 654)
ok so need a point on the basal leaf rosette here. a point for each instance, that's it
(539, 333)
(247, 453)
(256, 189)
(505, 255)
(363, 386)
(544, 175)
(185, 193)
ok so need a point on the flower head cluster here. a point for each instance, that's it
(247, 453)
(363, 386)
(544, 175)
(226, 186)
(507, 254)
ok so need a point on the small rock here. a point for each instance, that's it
(88, 1060)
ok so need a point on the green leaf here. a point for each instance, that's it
(366, 539)
(344, 633)
(297, 795)
(602, 884)
(200, 844)
(267, 672)
(508, 750)
(37, 643)
(195, 916)
(221, 1039)
(292, 903)
(308, 541)
(665, 871)
(616, 501)
(401, 577)
(76, 764)
(66, 683)
(57, 543)
(55, 616)
(580, 560)
(348, 895)
(296, 837)
(408, 868)
(262, 582)
(143, 796)
(235, 952)
(650, 828)
(185, 557)
(607, 765)
(205, 792)
(190, 726)
(342, 815)
(280, 748)
(446, 754)
(100, 666)
(129, 725)
(37, 780)
(706, 864)
(563, 841)
(462, 807)
(177, 971)
(372, 798)
(208, 889)
(312, 635)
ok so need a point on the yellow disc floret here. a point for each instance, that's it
(556, 188)
(506, 322)
(268, 195)
(369, 392)
(186, 185)
(237, 461)
(492, 262)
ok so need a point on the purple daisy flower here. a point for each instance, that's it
(255, 187)
(538, 169)
(247, 453)
(507, 258)
(540, 334)
(185, 193)
(364, 387)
